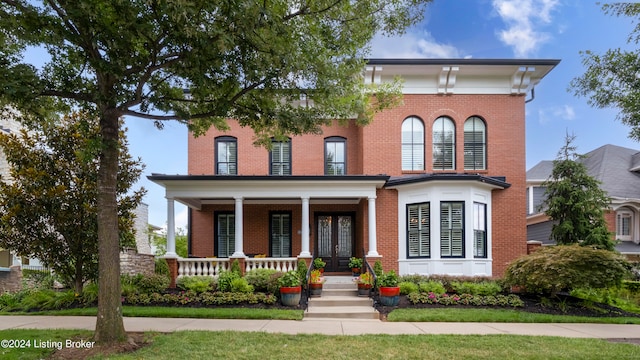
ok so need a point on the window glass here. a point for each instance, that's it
(226, 234)
(475, 144)
(280, 158)
(412, 144)
(418, 230)
(227, 156)
(280, 235)
(452, 229)
(335, 156)
(479, 230)
(444, 144)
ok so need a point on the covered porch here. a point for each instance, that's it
(271, 221)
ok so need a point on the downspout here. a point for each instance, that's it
(533, 96)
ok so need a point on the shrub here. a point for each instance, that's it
(259, 279)
(482, 288)
(273, 286)
(407, 287)
(152, 283)
(432, 286)
(90, 294)
(240, 285)
(289, 279)
(302, 270)
(388, 279)
(197, 284)
(162, 267)
(415, 278)
(235, 268)
(224, 280)
(562, 268)
(377, 268)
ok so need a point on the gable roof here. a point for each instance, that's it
(616, 167)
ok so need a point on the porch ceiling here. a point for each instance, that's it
(197, 190)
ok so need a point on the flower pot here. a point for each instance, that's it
(315, 290)
(290, 296)
(321, 270)
(390, 296)
(364, 289)
(355, 271)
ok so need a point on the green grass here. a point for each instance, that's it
(36, 341)
(257, 345)
(235, 345)
(176, 312)
(497, 315)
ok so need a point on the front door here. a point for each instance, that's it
(335, 235)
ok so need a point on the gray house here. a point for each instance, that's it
(618, 170)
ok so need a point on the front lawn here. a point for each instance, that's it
(256, 345)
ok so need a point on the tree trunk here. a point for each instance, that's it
(109, 324)
(79, 280)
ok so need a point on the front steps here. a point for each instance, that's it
(340, 300)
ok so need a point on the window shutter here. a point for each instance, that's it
(452, 229)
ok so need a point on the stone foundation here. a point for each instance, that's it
(11, 281)
(133, 263)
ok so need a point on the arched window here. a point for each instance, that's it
(412, 144)
(444, 144)
(226, 155)
(475, 144)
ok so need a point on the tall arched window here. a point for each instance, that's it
(444, 144)
(412, 144)
(475, 144)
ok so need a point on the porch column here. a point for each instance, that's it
(171, 230)
(304, 251)
(373, 245)
(239, 250)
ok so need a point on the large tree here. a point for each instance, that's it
(575, 202)
(613, 78)
(48, 203)
(281, 67)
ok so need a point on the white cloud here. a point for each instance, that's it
(524, 18)
(411, 45)
(564, 112)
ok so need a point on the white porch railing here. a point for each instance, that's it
(278, 264)
(202, 267)
(213, 266)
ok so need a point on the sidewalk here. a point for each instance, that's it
(329, 326)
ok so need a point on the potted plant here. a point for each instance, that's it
(355, 264)
(315, 283)
(389, 289)
(365, 283)
(319, 264)
(290, 289)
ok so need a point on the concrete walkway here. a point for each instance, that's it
(329, 326)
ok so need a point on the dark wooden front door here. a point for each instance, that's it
(335, 240)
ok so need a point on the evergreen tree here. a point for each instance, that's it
(575, 202)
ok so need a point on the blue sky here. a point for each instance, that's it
(540, 29)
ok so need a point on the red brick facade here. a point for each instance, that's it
(492, 90)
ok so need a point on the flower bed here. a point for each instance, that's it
(511, 300)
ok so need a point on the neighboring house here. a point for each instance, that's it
(618, 170)
(7, 259)
(7, 125)
(435, 185)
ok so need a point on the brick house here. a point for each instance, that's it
(618, 171)
(435, 185)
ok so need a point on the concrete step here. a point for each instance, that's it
(339, 286)
(339, 292)
(328, 301)
(342, 312)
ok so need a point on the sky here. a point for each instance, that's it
(479, 29)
